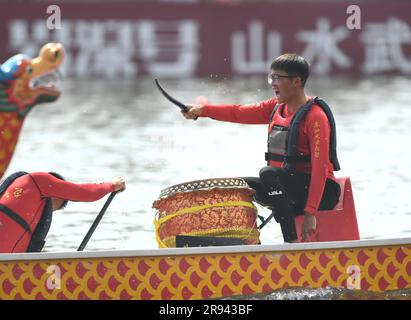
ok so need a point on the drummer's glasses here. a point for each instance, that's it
(274, 78)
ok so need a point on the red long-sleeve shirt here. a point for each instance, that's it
(27, 195)
(313, 139)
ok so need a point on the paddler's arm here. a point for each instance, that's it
(318, 131)
(258, 113)
(50, 186)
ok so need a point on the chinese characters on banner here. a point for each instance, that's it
(382, 43)
(180, 48)
(115, 49)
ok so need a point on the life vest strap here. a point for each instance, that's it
(291, 138)
(14, 216)
(289, 159)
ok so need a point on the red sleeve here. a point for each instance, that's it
(51, 186)
(318, 132)
(258, 113)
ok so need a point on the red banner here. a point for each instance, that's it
(127, 40)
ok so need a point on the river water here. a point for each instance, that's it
(100, 129)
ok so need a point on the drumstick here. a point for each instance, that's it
(179, 104)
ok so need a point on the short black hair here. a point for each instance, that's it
(293, 65)
(59, 176)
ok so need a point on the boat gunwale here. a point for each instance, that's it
(246, 249)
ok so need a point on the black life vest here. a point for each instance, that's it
(38, 236)
(282, 140)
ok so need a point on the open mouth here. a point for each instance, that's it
(50, 81)
(277, 93)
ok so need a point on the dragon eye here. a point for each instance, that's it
(29, 69)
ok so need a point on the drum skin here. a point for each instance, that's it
(214, 207)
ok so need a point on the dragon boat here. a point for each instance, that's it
(24, 83)
(207, 272)
(214, 209)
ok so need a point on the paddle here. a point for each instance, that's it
(96, 222)
(179, 104)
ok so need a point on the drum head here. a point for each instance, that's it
(208, 184)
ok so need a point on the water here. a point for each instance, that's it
(101, 129)
(326, 294)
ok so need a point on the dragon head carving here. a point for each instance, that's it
(27, 82)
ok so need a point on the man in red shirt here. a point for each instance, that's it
(301, 155)
(27, 201)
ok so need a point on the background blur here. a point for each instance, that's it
(111, 120)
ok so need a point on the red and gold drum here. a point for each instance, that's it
(213, 208)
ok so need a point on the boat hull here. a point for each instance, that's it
(203, 273)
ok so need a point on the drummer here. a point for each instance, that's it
(27, 201)
(301, 157)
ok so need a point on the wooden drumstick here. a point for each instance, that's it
(179, 104)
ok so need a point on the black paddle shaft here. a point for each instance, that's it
(96, 222)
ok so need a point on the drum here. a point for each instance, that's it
(213, 208)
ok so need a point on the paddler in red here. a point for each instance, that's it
(28, 200)
(301, 155)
